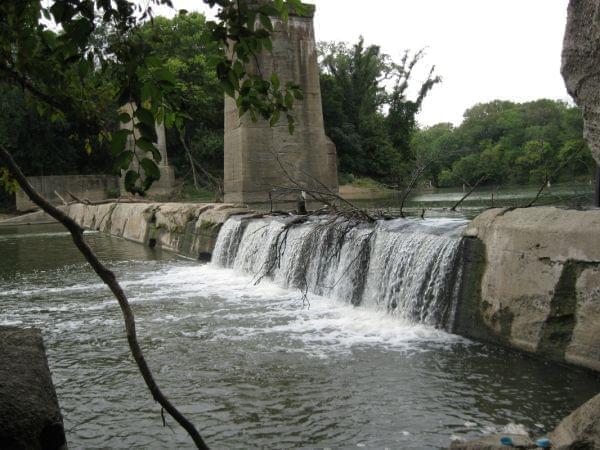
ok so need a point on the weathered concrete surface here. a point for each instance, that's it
(581, 429)
(580, 63)
(190, 229)
(91, 187)
(532, 282)
(252, 149)
(29, 413)
(34, 218)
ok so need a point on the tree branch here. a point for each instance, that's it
(464, 197)
(108, 277)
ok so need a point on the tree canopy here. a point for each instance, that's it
(366, 108)
(508, 143)
(82, 61)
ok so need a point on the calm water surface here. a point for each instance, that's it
(437, 202)
(251, 365)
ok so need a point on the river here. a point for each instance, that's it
(438, 202)
(258, 365)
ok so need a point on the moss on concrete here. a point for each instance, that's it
(557, 331)
(468, 320)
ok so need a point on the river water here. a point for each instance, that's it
(258, 365)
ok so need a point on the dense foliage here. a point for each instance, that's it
(371, 125)
(63, 118)
(82, 61)
(184, 45)
(503, 142)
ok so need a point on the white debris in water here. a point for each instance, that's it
(515, 428)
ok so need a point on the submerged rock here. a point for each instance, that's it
(581, 429)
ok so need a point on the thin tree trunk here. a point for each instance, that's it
(108, 277)
(457, 204)
(411, 185)
(189, 154)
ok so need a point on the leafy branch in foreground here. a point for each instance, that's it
(49, 50)
(108, 277)
(53, 51)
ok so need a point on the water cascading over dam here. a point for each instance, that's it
(407, 268)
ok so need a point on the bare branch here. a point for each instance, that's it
(412, 183)
(464, 197)
(108, 277)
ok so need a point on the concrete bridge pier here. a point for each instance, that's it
(258, 156)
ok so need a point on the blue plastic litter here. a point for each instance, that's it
(506, 441)
(544, 443)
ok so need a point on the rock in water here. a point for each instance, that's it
(581, 429)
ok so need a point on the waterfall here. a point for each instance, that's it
(405, 267)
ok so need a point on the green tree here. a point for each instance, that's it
(370, 126)
(513, 143)
(184, 44)
(438, 145)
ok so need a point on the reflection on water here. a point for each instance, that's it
(251, 365)
(437, 202)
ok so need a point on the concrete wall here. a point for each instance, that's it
(252, 149)
(190, 229)
(92, 187)
(29, 412)
(532, 282)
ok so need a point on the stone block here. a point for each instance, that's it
(30, 417)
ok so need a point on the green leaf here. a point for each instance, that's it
(148, 146)
(150, 169)
(147, 132)
(238, 68)
(58, 10)
(298, 94)
(131, 177)
(123, 161)
(124, 117)
(118, 141)
(228, 87)
(268, 44)
(288, 100)
(275, 81)
(164, 74)
(291, 125)
(266, 22)
(233, 79)
(251, 20)
(274, 118)
(145, 116)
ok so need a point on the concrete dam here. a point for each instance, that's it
(525, 279)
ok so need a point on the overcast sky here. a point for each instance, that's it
(483, 49)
